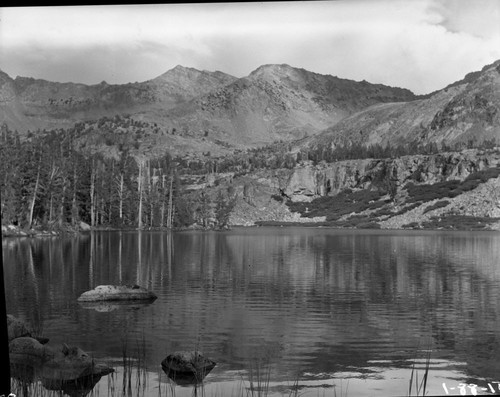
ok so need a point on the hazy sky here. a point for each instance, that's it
(422, 45)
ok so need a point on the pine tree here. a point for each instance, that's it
(224, 205)
(205, 210)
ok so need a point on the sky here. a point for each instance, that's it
(422, 45)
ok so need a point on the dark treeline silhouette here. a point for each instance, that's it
(283, 155)
(46, 181)
(351, 151)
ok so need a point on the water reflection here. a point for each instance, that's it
(304, 301)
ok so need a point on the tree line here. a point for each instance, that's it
(46, 181)
(353, 150)
(283, 155)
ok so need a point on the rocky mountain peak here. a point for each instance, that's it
(192, 80)
(177, 72)
(274, 71)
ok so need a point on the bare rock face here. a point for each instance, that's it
(187, 367)
(310, 181)
(303, 183)
(249, 193)
(117, 292)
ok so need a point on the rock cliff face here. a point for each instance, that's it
(309, 181)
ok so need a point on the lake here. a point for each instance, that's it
(294, 311)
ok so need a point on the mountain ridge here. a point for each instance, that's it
(274, 102)
(467, 110)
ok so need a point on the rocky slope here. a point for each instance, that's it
(465, 111)
(279, 102)
(275, 102)
(27, 103)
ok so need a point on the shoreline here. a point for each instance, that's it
(16, 232)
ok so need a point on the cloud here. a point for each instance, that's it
(480, 18)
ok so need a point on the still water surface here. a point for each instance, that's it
(336, 312)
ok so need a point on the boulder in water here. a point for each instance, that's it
(27, 356)
(117, 292)
(58, 368)
(187, 367)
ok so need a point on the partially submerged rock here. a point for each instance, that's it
(117, 292)
(27, 356)
(58, 368)
(17, 328)
(187, 367)
(70, 362)
(26, 350)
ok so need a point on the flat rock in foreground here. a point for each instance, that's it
(117, 292)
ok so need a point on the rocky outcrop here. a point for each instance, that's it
(117, 293)
(310, 181)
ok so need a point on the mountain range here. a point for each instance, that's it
(273, 103)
